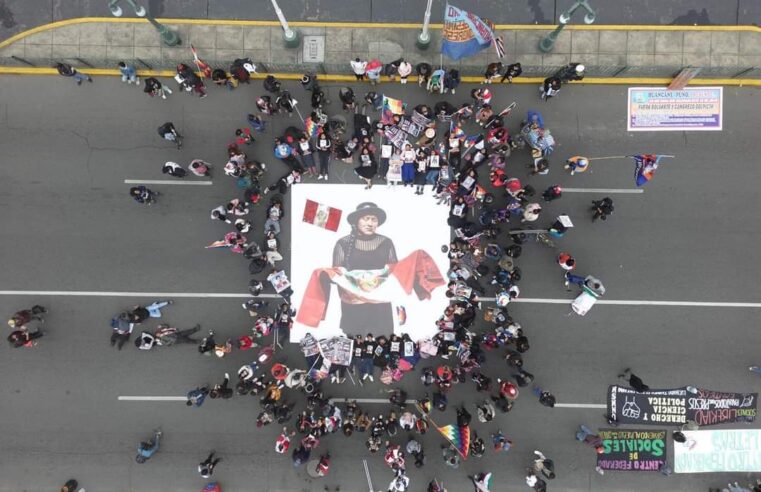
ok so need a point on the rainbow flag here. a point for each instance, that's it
(458, 436)
(391, 107)
(311, 127)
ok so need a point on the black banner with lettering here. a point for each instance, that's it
(677, 406)
(632, 450)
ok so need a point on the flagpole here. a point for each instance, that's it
(424, 38)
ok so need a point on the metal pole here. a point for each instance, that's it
(290, 36)
(548, 42)
(169, 37)
(424, 38)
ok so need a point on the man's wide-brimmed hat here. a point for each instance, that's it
(367, 208)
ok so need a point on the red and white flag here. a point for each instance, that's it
(322, 215)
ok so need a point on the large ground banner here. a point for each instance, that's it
(677, 406)
(346, 273)
(688, 109)
(711, 451)
(632, 450)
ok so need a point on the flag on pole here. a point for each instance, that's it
(465, 34)
(311, 127)
(203, 67)
(645, 166)
(499, 45)
(458, 436)
(391, 107)
(322, 215)
(455, 130)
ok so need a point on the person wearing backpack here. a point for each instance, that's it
(145, 450)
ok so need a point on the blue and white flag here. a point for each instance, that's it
(465, 34)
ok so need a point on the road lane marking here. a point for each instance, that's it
(367, 474)
(602, 190)
(220, 295)
(166, 182)
(153, 398)
(233, 295)
(581, 405)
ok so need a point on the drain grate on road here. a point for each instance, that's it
(314, 49)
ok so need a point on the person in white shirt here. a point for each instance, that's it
(359, 68)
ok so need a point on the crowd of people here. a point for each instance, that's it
(458, 146)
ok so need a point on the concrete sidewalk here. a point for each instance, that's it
(607, 51)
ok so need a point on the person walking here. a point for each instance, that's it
(544, 465)
(66, 70)
(174, 169)
(143, 194)
(451, 456)
(222, 390)
(24, 338)
(550, 88)
(545, 397)
(197, 396)
(167, 131)
(552, 193)
(359, 67)
(71, 485)
(501, 442)
(634, 381)
(566, 261)
(206, 467)
(145, 450)
(20, 319)
(200, 168)
(155, 88)
(129, 73)
(513, 70)
(602, 208)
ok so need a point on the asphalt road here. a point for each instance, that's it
(69, 225)
(19, 15)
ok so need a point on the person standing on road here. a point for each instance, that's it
(129, 73)
(602, 208)
(405, 69)
(197, 396)
(544, 465)
(145, 450)
(451, 80)
(492, 71)
(323, 154)
(71, 485)
(634, 381)
(545, 397)
(206, 467)
(24, 338)
(143, 194)
(66, 70)
(359, 68)
(155, 88)
(20, 319)
(513, 70)
(222, 390)
(167, 131)
(550, 88)
(173, 169)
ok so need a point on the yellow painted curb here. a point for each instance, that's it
(363, 25)
(350, 78)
